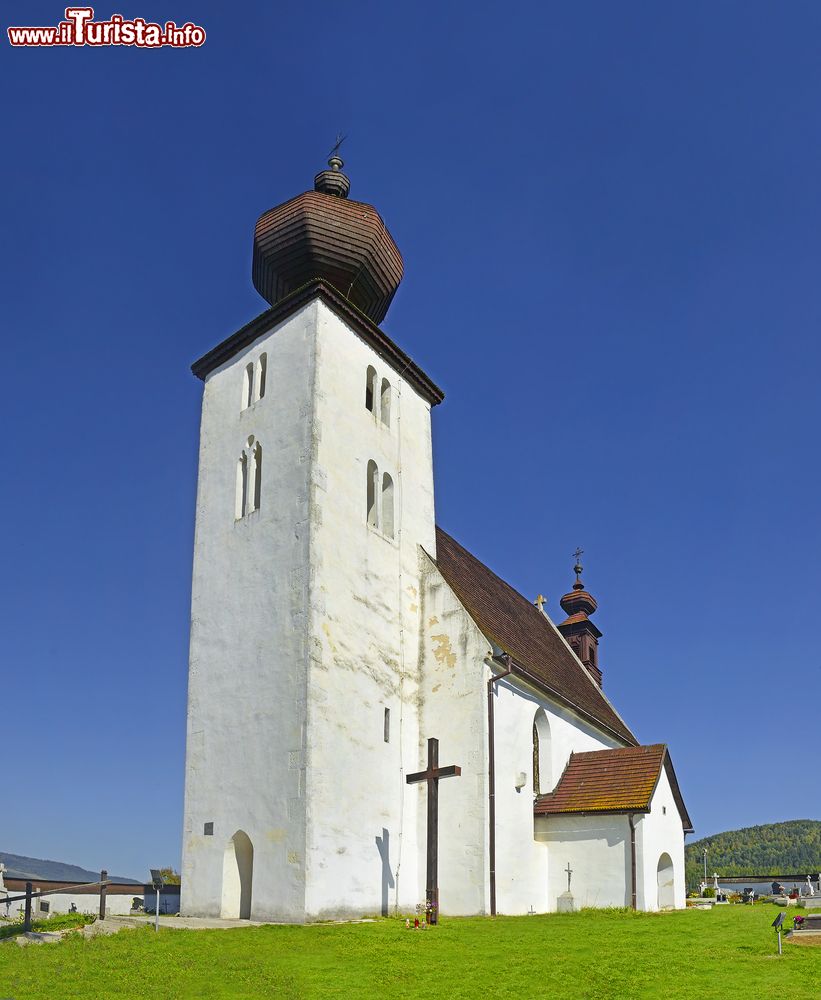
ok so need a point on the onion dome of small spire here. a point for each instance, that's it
(333, 181)
(322, 234)
(578, 601)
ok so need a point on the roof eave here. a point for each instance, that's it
(621, 811)
(362, 325)
(686, 822)
(547, 689)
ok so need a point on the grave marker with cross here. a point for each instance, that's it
(432, 775)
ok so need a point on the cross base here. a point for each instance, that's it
(432, 906)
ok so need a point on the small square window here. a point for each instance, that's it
(664, 810)
(208, 829)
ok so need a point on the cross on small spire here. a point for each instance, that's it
(540, 602)
(577, 555)
(340, 138)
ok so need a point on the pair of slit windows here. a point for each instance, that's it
(249, 479)
(380, 501)
(380, 402)
(253, 381)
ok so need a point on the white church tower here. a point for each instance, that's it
(315, 493)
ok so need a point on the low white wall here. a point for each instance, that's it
(598, 851)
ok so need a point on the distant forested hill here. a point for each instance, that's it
(777, 848)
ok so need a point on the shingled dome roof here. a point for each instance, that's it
(321, 234)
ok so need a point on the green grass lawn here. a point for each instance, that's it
(725, 952)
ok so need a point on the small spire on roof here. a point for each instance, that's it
(540, 602)
(333, 181)
(577, 569)
(577, 628)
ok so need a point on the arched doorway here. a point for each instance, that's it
(237, 873)
(666, 883)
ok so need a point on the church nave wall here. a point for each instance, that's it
(453, 708)
(523, 865)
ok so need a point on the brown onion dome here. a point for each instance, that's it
(321, 234)
(578, 601)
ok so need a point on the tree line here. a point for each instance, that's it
(774, 848)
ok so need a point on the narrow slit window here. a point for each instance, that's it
(262, 372)
(535, 760)
(385, 403)
(387, 505)
(386, 724)
(370, 388)
(242, 485)
(257, 475)
(248, 386)
(373, 477)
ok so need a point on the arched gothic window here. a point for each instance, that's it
(372, 487)
(257, 475)
(248, 385)
(536, 782)
(385, 403)
(542, 763)
(249, 479)
(387, 505)
(370, 388)
(262, 374)
(242, 486)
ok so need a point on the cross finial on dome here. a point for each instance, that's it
(334, 153)
(577, 569)
(333, 181)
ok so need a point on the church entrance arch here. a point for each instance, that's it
(237, 873)
(666, 883)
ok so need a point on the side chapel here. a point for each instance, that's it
(337, 634)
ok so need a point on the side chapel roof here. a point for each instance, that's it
(522, 631)
(612, 781)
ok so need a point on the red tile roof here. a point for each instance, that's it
(615, 781)
(521, 630)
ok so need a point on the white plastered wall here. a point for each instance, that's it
(362, 847)
(660, 831)
(597, 848)
(526, 866)
(453, 709)
(247, 694)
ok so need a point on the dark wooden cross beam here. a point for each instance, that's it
(432, 776)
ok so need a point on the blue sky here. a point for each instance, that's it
(610, 220)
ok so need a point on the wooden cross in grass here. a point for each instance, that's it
(432, 775)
